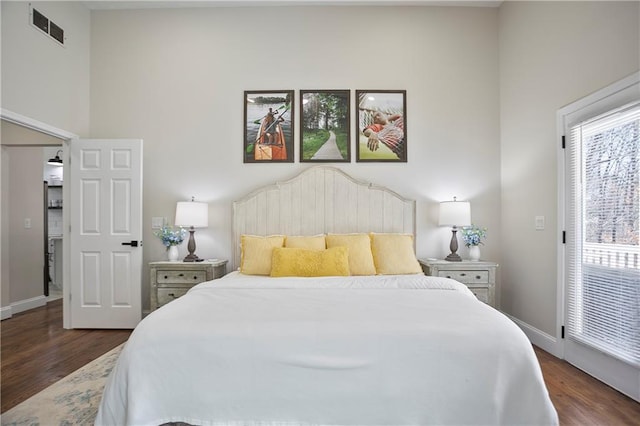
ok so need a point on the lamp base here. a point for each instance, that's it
(453, 246)
(453, 257)
(192, 258)
(191, 246)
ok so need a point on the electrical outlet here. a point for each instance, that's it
(157, 222)
(539, 221)
(27, 223)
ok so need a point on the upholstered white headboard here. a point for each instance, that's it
(320, 200)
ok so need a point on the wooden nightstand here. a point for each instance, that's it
(479, 276)
(170, 280)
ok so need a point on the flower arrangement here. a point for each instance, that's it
(473, 235)
(171, 237)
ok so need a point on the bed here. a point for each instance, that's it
(320, 339)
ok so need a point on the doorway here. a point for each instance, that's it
(601, 271)
(126, 158)
(24, 251)
(53, 205)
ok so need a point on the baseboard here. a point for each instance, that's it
(5, 312)
(25, 305)
(539, 338)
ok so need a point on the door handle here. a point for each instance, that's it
(132, 243)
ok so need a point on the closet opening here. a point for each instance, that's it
(53, 205)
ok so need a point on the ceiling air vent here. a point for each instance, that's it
(44, 24)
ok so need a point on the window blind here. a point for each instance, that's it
(603, 275)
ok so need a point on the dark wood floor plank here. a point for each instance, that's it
(37, 352)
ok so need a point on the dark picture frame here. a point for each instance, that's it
(381, 121)
(325, 129)
(268, 126)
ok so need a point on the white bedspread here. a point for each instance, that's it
(380, 350)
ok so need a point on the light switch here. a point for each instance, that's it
(27, 223)
(157, 222)
(539, 223)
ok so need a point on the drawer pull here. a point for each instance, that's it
(181, 275)
(166, 277)
(463, 274)
(478, 277)
(171, 295)
(448, 276)
(195, 277)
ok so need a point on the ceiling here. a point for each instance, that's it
(162, 4)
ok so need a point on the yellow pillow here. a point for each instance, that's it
(393, 254)
(315, 242)
(360, 256)
(298, 262)
(256, 253)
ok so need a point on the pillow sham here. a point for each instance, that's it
(256, 253)
(315, 242)
(299, 262)
(360, 255)
(393, 254)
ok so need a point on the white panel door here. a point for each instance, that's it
(105, 233)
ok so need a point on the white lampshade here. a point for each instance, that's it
(192, 213)
(455, 213)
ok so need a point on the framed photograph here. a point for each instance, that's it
(324, 126)
(268, 126)
(381, 119)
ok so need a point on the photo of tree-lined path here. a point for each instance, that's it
(324, 134)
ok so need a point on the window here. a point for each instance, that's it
(603, 271)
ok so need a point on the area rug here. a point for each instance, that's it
(73, 400)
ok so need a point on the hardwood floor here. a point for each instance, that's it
(37, 351)
(581, 400)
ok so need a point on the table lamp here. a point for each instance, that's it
(454, 213)
(193, 214)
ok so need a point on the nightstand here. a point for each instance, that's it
(479, 276)
(170, 280)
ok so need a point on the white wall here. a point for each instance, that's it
(41, 79)
(5, 295)
(551, 54)
(26, 245)
(176, 77)
(14, 134)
